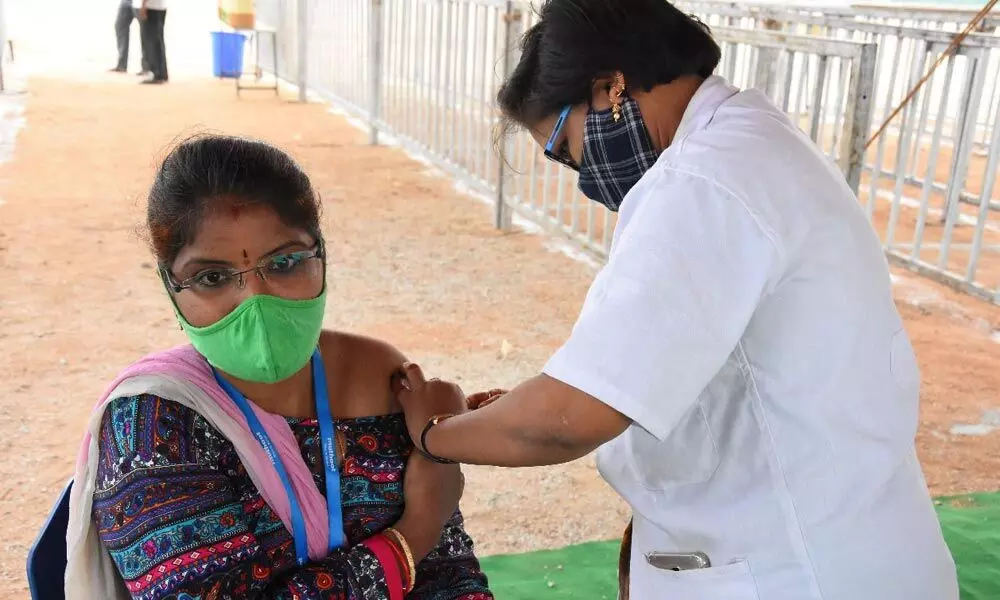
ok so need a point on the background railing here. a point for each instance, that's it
(929, 179)
(426, 72)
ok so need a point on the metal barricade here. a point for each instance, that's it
(929, 181)
(824, 84)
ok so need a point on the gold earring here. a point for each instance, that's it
(616, 99)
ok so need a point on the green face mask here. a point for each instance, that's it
(265, 339)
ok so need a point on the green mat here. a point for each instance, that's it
(971, 526)
(584, 571)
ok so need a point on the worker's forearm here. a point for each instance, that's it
(490, 436)
(540, 422)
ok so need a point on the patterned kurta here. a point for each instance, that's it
(181, 518)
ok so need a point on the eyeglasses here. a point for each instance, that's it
(288, 268)
(561, 153)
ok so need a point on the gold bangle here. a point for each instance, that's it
(409, 557)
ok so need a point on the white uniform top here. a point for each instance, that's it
(151, 4)
(745, 323)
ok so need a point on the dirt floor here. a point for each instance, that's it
(413, 261)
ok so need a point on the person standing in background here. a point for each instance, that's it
(152, 17)
(123, 26)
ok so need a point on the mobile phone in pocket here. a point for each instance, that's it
(678, 561)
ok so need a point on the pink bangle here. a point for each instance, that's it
(380, 547)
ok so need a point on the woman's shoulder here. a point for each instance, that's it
(372, 347)
(362, 372)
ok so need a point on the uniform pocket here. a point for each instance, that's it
(734, 581)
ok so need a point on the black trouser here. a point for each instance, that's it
(153, 44)
(123, 27)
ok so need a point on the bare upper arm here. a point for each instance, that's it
(360, 371)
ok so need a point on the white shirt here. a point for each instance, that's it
(745, 323)
(151, 4)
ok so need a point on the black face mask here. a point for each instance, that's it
(616, 154)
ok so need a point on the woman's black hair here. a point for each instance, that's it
(576, 42)
(209, 172)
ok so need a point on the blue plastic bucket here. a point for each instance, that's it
(227, 54)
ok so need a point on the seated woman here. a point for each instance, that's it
(267, 459)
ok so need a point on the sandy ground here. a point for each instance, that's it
(413, 261)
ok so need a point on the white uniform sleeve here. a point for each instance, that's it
(673, 301)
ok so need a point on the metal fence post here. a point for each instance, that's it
(766, 76)
(302, 47)
(963, 150)
(513, 26)
(857, 121)
(375, 70)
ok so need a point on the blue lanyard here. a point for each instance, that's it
(329, 448)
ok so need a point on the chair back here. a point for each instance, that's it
(47, 557)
